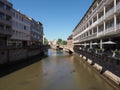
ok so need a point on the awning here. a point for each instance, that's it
(109, 42)
(95, 43)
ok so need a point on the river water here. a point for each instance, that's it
(58, 71)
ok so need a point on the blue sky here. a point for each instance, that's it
(59, 17)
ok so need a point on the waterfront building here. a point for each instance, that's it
(100, 27)
(20, 29)
(36, 32)
(69, 40)
(5, 22)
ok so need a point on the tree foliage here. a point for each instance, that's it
(45, 41)
(61, 42)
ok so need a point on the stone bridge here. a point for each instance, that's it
(67, 48)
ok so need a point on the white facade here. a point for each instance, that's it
(101, 20)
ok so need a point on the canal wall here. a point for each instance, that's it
(11, 55)
(107, 67)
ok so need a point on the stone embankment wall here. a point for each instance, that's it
(18, 54)
(106, 66)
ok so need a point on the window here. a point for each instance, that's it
(100, 28)
(95, 19)
(16, 15)
(94, 7)
(8, 18)
(90, 32)
(109, 23)
(100, 14)
(117, 1)
(110, 6)
(2, 16)
(2, 5)
(8, 7)
(95, 30)
(1, 27)
(8, 27)
(90, 22)
(99, 1)
(118, 19)
(24, 27)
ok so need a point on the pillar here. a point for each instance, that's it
(90, 44)
(115, 5)
(104, 11)
(115, 22)
(101, 44)
(104, 27)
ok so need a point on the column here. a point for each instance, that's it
(90, 44)
(114, 5)
(104, 11)
(97, 30)
(115, 22)
(84, 45)
(104, 27)
(92, 21)
(97, 16)
(101, 44)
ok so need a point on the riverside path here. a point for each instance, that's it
(58, 71)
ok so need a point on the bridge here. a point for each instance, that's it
(64, 47)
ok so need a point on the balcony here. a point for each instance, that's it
(109, 13)
(99, 34)
(7, 2)
(101, 19)
(6, 32)
(105, 1)
(109, 30)
(94, 24)
(3, 21)
(7, 12)
(118, 27)
(118, 6)
(89, 37)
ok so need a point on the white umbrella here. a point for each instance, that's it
(109, 42)
(95, 43)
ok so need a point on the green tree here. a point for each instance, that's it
(59, 41)
(45, 41)
(64, 42)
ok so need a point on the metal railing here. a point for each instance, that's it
(109, 13)
(109, 30)
(118, 27)
(118, 6)
(100, 33)
(6, 32)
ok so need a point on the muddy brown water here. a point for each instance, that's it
(58, 71)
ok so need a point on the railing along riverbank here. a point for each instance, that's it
(107, 66)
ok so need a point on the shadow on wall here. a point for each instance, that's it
(7, 69)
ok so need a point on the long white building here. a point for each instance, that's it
(100, 24)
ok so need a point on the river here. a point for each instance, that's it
(58, 71)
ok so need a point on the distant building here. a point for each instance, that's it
(36, 32)
(5, 22)
(53, 42)
(99, 26)
(20, 29)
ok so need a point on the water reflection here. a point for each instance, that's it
(56, 53)
(58, 71)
